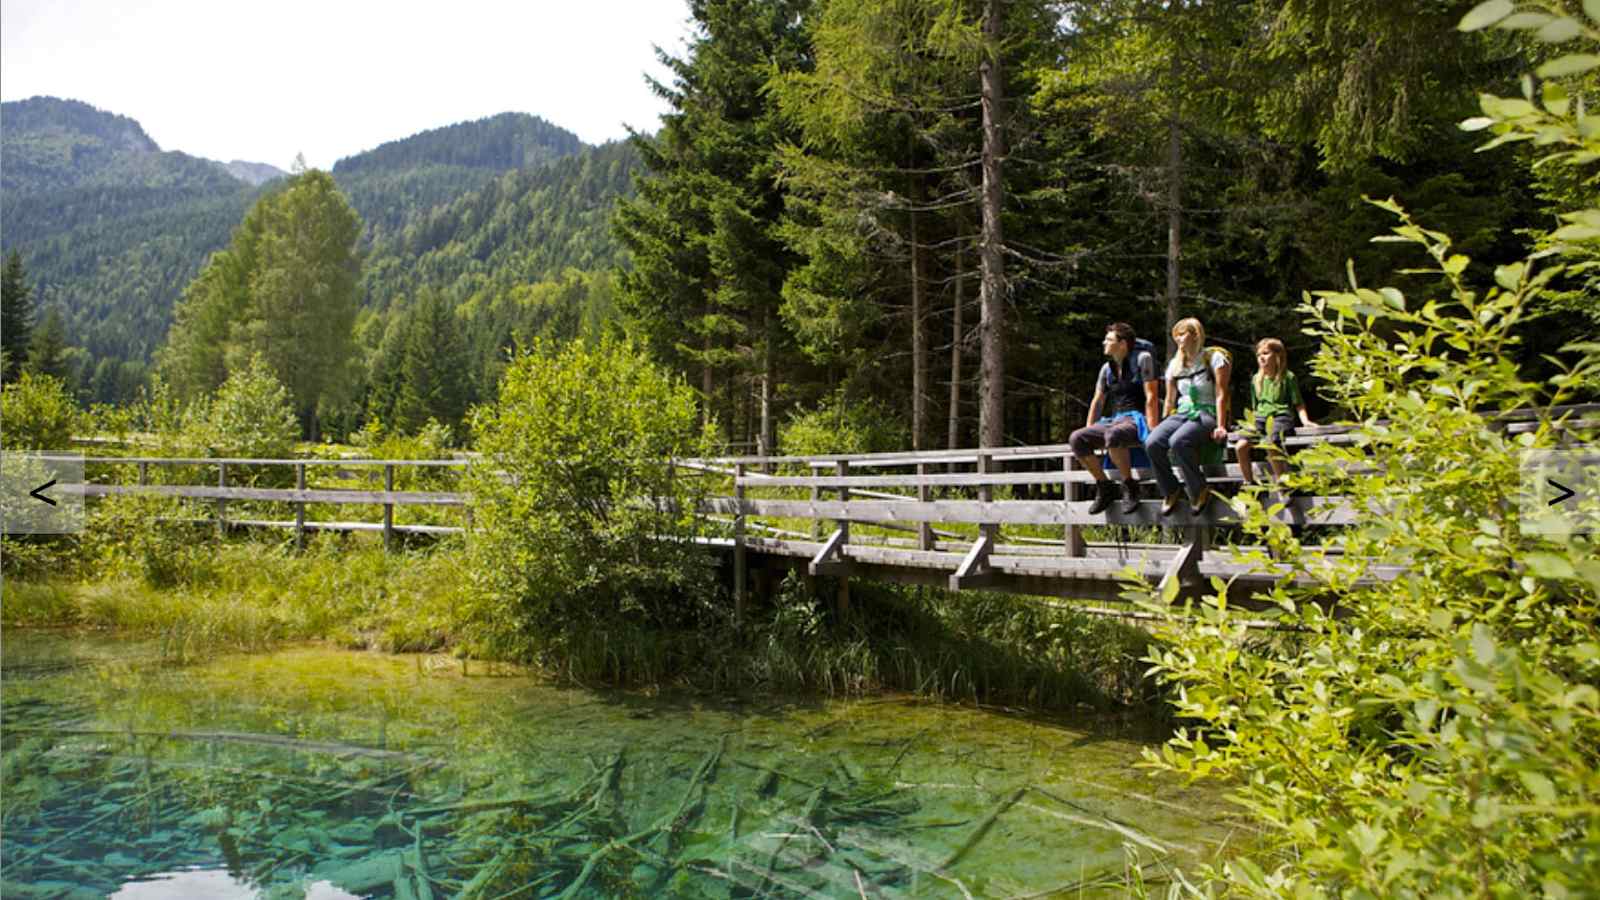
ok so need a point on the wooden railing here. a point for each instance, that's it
(222, 493)
(993, 504)
(1012, 517)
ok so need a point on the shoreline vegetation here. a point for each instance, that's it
(252, 594)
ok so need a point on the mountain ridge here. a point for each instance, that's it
(113, 245)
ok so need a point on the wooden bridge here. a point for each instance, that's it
(1012, 519)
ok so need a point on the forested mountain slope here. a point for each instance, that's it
(68, 165)
(111, 228)
(525, 226)
(398, 182)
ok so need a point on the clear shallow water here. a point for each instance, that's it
(321, 773)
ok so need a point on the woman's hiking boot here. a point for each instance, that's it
(1105, 492)
(1130, 498)
(1173, 501)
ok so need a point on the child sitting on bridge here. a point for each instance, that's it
(1273, 393)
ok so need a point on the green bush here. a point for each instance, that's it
(590, 528)
(37, 413)
(1440, 735)
(251, 416)
(840, 426)
(152, 539)
(432, 441)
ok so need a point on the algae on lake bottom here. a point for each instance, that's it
(325, 773)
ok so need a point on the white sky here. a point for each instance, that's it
(263, 81)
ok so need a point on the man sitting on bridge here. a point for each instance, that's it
(1129, 380)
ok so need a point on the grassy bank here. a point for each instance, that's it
(201, 595)
(205, 596)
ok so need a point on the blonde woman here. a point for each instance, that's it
(1196, 407)
(1274, 392)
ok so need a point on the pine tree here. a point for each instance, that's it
(708, 266)
(16, 317)
(433, 370)
(47, 352)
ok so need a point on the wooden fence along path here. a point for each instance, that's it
(1009, 519)
(222, 493)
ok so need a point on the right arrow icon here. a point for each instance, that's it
(1566, 492)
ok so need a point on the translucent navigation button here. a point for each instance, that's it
(41, 492)
(1560, 491)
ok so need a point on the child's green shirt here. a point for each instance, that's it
(1275, 396)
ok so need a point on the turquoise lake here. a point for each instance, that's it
(324, 773)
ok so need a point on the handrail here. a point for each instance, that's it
(271, 495)
(1049, 451)
(250, 461)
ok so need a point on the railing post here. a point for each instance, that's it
(739, 560)
(991, 530)
(924, 529)
(144, 474)
(842, 468)
(222, 505)
(1076, 547)
(816, 495)
(300, 508)
(388, 508)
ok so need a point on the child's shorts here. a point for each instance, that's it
(1268, 430)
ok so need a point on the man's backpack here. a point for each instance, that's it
(1140, 345)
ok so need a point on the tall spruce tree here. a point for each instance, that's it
(433, 368)
(888, 187)
(708, 266)
(47, 350)
(16, 317)
(879, 187)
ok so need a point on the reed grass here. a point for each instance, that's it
(248, 594)
(965, 647)
(136, 573)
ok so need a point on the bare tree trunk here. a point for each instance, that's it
(991, 290)
(707, 385)
(919, 339)
(1174, 211)
(768, 373)
(955, 349)
(747, 428)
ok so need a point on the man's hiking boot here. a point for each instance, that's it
(1105, 492)
(1130, 498)
(1173, 501)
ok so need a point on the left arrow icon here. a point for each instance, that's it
(38, 492)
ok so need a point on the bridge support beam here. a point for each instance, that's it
(924, 494)
(974, 570)
(842, 601)
(299, 508)
(830, 559)
(1184, 570)
(990, 530)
